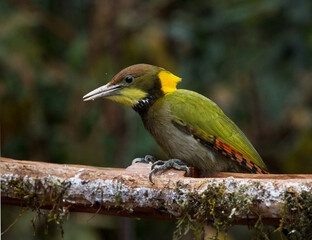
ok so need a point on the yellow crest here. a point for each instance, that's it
(168, 81)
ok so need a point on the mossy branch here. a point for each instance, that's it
(226, 199)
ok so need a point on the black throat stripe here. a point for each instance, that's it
(143, 105)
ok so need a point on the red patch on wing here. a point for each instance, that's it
(228, 152)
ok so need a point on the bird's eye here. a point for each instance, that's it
(129, 79)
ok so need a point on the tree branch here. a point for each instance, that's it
(127, 192)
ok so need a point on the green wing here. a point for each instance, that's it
(204, 116)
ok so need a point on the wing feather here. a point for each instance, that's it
(211, 126)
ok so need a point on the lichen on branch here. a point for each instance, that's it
(223, 201)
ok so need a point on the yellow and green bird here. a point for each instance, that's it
(190, 128)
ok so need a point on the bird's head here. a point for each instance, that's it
(135, 84)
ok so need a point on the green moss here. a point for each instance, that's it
(118, 197)
(258, 230)
(214, 206)
(217, 207)
(297, 214)
(36, 193)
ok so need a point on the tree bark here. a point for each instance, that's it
(128, 192)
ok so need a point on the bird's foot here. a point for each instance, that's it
(146, 159)
(171, 163)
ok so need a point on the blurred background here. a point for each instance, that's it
(252, 57)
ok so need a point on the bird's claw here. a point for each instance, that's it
(172, 163)
(146, 159)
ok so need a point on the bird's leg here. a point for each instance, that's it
(146, 159)
(171, 163)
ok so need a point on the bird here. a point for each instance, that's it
(190, 128)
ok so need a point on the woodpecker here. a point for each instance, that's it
(190, 128)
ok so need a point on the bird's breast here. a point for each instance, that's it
(176, 143)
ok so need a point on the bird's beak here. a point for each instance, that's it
(104, 91)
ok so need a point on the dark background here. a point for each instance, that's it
(253, 58)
